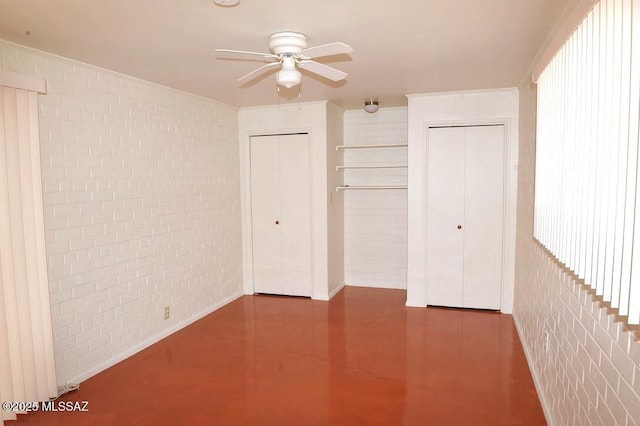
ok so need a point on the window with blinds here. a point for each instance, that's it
(586, 199)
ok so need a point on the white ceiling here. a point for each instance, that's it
(400, 47)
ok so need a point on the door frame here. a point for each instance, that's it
(305, 117)
(417, 256)
(508, 225)
(250, 233)
(425, 199)
(247, 222)
(473, 107)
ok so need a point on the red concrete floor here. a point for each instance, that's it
(361, 359)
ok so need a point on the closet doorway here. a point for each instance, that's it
(465, 211)
(281, 214)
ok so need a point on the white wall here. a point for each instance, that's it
(142, 208)
(335, 201)
(591, 372)
(311, 118)
(375, 237)
(498, 106)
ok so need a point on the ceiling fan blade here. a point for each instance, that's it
(326, 50)
(323, 70)
(258, 71)
(244, 52)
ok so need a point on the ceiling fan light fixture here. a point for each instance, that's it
(288, 77)
(371, 106)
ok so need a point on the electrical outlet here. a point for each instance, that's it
(166, 313)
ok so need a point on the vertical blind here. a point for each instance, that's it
(27, 368)
(586, 191)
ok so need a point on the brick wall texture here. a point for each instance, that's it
(375, 229)
(141, 207)
(588, 368)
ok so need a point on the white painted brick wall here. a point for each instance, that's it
(591, 373)
(375, 229)
(142, 208)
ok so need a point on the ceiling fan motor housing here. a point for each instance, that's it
(287, 42)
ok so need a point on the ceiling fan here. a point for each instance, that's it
(290, 52)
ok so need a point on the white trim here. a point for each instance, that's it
(310, 118)
(90, 372)
(480, 107)
(561, 34)
(336, 291)
(72, 62)
(22, 81)
(508, 267)
(537, 381)
(249, 225)
(388, 145)
(385, 284)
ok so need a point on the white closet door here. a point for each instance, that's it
(281, 214)
(465, 216)
(295, 214)
(484, 194)
(445, 212)
(265, 209)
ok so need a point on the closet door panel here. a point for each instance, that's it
(265, 210)
(445, 212)
(484, 193)
(295, 214)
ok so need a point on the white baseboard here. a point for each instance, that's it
(336, 291)
(90, 372)
(396, 286)
(534, 374)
